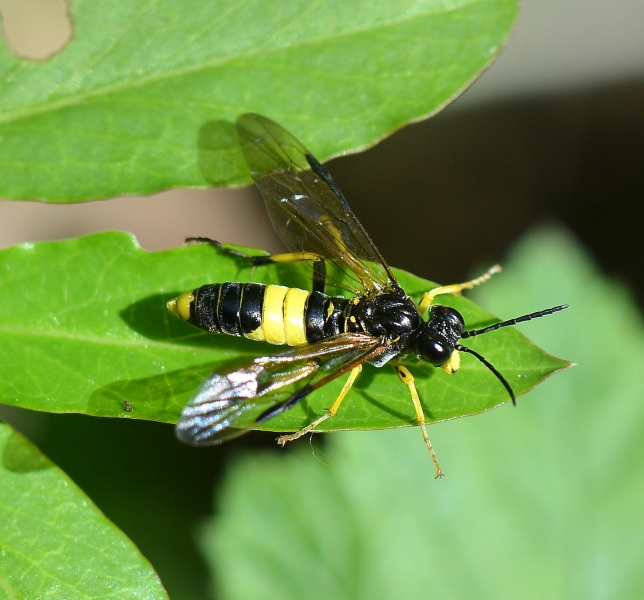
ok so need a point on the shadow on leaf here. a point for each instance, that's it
(156, 398)
(150, 318)
(20, 456)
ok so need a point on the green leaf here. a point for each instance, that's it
(84, 328)
(541, 501)
(144, 96)
(54, 543)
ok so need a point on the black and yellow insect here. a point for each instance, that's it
(330, 336)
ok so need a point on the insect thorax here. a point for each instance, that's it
(389, 315)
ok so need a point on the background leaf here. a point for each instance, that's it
(100, 334)
(54, 543)
(144, 96)
(542, 501)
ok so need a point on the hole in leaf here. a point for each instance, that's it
(35, 29)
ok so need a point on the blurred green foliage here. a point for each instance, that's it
(542, 501)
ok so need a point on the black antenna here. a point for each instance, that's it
(492, 368)
(534, 315)
(488, 364)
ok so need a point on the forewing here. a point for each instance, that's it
(228, 404)
(308, 210)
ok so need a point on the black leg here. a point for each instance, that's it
(319, 266)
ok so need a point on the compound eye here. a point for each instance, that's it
(435, 352)
(448, 315)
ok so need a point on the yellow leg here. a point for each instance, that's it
(258, 260)
(293, 257)
(319, 266)
(408, 379)
(283, 439)
(455, 288)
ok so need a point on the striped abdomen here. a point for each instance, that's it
(271, 313)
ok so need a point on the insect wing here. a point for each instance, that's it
(307, 208)
(228, 404)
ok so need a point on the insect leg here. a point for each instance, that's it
(408, 379)
(319, 266)
(455, 288)
(283, 439)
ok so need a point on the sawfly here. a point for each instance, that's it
(329, 336)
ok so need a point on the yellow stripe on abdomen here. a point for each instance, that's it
(294, 317)
(273, 314)
(283, 316)
(257, 335)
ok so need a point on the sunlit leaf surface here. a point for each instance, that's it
(145, 95)
(84, 328)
